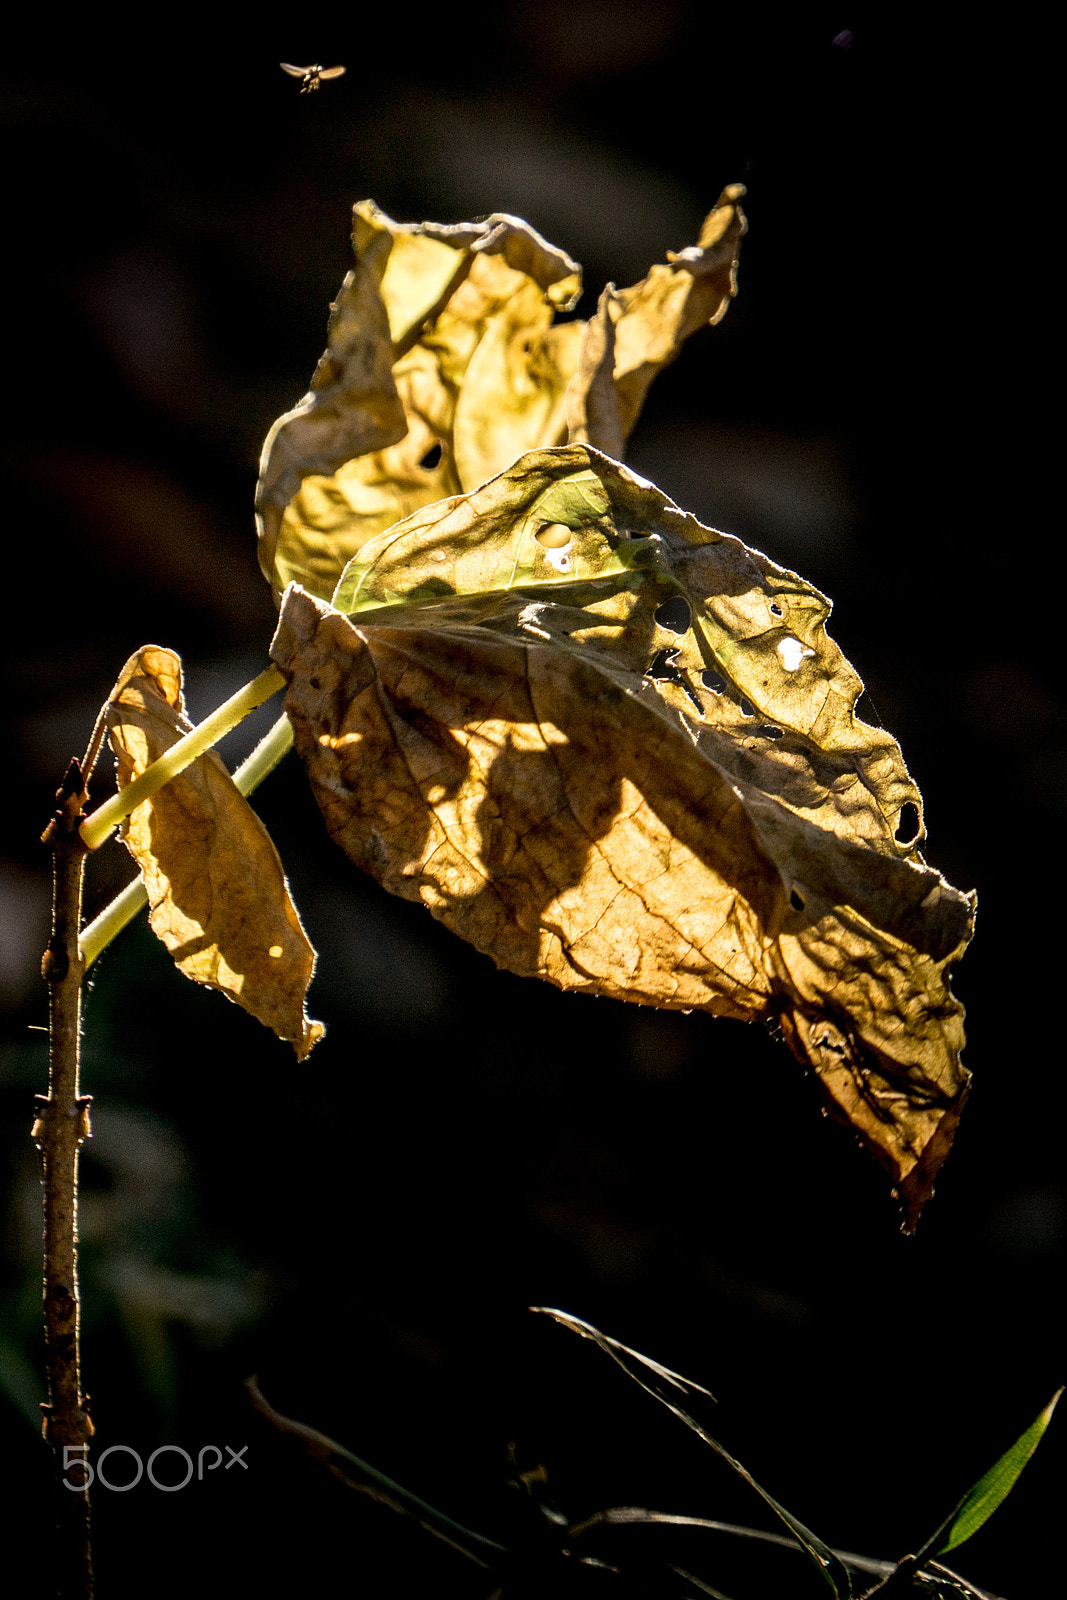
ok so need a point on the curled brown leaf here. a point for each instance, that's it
(617, 750)
(217, 892)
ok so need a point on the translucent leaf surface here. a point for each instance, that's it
(217, 893)
(445, 363)
(992, 1488)
(352, 408)
(616, 749)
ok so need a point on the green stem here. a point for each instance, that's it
(103, 822)
(249, 775)
(265, 757)
(111, 921)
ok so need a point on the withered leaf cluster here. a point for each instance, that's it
(608, 746)
(217, 893)
(446, 361)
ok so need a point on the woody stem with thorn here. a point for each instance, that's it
(62, 1122)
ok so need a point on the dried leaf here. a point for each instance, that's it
(673, 806)
(353, 407)
(659, 313)
(592, 398)
(216, 889)
(445, 365)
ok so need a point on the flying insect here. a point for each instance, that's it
(311, 77)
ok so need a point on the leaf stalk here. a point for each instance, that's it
(103, 822)
(125, 906)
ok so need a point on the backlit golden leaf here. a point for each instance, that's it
(616, 749)
(216, 889)
(353, 407)
(658, 314)
(593, 415)
(445, 364)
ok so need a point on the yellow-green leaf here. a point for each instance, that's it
(217, 893)
(991, 1490)
(674, 804)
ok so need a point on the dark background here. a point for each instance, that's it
(367, 1230)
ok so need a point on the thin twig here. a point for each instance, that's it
(93, 748)
(62, 1122)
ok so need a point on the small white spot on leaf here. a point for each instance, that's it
(792, 652)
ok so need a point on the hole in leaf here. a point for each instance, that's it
(555, 540)
(747, 708)
(432, 458)
(664, 669)
(776, 609)
(796, 900)
(675, 614)
(769, 730)
(553, 536)
(908, 823)
(713, 681)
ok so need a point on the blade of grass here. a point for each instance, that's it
(834, 1573)
(992, 1488)
(639, 1516)
(362, 1476)
(698, 1583)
